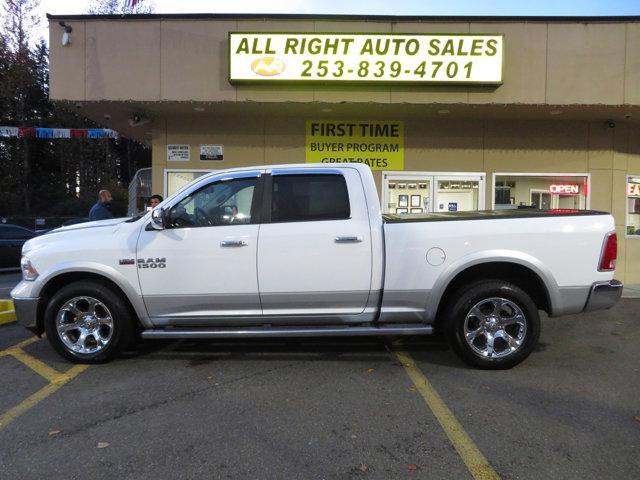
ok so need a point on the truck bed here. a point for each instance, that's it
(487, 215)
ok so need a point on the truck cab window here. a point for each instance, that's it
(299, 198)
(219, 203)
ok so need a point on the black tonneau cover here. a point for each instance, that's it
(486, 215)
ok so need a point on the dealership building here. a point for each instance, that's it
(451, 113)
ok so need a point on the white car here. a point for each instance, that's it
(303, 250)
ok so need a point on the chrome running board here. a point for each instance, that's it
(275, 332)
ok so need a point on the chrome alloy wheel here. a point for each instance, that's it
(495, 327)
(84, 324)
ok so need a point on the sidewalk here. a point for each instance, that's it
(631, 291)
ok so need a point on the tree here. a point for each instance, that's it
(49, 176)
(119, 7)
(20, 18)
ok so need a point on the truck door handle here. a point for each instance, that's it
(233, 243)
(348, 239)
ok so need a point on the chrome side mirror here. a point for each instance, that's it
(158, 218)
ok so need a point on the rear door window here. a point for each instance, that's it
(304, 198)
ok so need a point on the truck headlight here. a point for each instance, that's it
(29, 272)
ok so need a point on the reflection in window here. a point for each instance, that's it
(219, 203)
(540, 192)
(633, 205)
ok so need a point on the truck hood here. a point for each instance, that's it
(98, 223)
(89, 231)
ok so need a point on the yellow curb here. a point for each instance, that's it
(7, 312)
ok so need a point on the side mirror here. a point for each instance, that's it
(158, 218)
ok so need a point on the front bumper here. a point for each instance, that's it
(603, 295)
(27, 312)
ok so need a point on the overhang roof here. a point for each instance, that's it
(365, 18)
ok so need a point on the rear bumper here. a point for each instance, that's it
(27, 312)
(603, 295)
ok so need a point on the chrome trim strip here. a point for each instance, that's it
(265, 332)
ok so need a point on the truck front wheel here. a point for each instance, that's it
(492, 324)
(87, 322)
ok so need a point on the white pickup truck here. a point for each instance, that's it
(304, 250)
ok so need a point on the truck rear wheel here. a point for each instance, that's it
(492, 324)
(87, 322)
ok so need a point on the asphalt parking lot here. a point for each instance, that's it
(329, 409)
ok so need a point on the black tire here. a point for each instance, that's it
(123, 325)
(481, 293)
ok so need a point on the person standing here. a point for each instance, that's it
(102, 209)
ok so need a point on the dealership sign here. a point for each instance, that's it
(564, 188)
(365, 57)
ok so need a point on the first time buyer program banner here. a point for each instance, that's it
(379, 144)
(366, 57)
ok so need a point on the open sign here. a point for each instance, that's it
(564, 188)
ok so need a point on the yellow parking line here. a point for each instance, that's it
(476, 463)
(40, 395)
(34, 364)
(22, 344)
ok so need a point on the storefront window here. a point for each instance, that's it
(179, 178)
(457, 195)
(414, 192)
(633, 206)
(514, 191)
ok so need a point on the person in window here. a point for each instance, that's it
(102, 209)
(234, 214)
(155, 200)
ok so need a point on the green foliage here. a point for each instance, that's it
(43, 177)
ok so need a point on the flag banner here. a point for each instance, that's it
(26, 132)
(78, 133)
(61, 133)
(8, 131)
(43, 132)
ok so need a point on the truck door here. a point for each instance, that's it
(314, 249)
(203, 265)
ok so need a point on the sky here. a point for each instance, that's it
(378, 7)
(372, 7)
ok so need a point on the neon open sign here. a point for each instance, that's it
(564, 188)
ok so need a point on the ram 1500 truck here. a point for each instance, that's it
(304, 250)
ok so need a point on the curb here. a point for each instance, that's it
(7, 312)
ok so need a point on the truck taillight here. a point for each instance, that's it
(609, 253)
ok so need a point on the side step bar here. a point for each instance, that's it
(275, 332)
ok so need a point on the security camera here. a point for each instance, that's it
(107, 117)
(610, 124)
(627, 116)
(136, 120)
